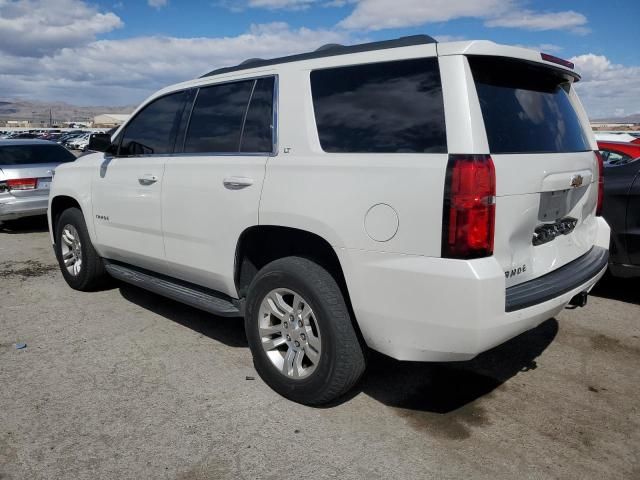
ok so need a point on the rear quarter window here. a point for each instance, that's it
(34, 154)
(389, 107)
(526, 108)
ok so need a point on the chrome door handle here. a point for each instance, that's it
(147, 179)
(237, 183)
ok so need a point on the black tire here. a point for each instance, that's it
(92, 273)
(342, 361)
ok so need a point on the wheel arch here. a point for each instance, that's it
(259, 245)
(59, 204)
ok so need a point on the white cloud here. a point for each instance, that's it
(240, 5)
(607, 88)
(157, 3)
(381, 14)
(34, 28)
(126, 71)
(281, 4)
(530, 20)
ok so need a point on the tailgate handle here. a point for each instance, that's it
(566, 180)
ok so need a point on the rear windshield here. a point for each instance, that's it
(526, 108)
(30, 154)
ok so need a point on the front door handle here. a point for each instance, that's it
(237, 183)
(147, 179)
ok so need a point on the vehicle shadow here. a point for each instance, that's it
(621, 289)
(35, 224)
(446, 387)
(229, 331)
(439, 388)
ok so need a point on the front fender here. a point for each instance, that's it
(74, 180)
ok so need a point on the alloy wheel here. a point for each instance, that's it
(289, 333)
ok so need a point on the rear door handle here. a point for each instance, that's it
(237, 183)
(147, 179)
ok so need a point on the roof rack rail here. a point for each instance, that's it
(329, 50)
(328, 46)
(249, 61)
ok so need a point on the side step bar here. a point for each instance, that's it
(184, 292)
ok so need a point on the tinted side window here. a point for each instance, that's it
(257, 135)
(216, 120)
(383, 107)
(153, 130)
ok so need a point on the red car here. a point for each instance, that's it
(618, 153)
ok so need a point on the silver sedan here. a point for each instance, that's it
(26, 170)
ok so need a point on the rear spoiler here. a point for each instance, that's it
(485, 47)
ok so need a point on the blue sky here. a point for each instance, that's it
(118, 52)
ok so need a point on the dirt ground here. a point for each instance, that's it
(123, 384)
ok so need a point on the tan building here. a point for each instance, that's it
(109, 120)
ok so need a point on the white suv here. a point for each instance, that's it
(428, 201)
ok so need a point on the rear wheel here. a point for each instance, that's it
(80, 265)
(300, 332)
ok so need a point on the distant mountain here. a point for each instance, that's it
(633, 118)
(35, 111)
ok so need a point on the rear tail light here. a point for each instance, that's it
(22, 183)
(600, 184)
(469, 207)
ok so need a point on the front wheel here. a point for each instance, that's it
(80, 264)
(300, 332)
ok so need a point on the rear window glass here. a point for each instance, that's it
(216, 120)
(526, 108)
(389, 107)
(31, 154)
(257, 135)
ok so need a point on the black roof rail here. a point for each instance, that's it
(328, 46)
(329, 50)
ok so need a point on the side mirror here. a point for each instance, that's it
(99, 142)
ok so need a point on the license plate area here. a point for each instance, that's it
(558, 204)
(44, 183)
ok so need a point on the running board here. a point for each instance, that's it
(184, 292)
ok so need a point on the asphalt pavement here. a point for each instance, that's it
(124, 384)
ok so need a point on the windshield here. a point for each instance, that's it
(526, 108)
(33, 154)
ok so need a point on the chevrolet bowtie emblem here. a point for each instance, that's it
(576, 181)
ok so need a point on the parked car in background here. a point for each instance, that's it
(26, 170)
(622, 205)
(83, 143)
(68, 136)
(616, 137)
(77, 142)
(24, 135)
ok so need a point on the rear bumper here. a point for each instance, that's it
(12, 208)
(562, 280)
(433, 309)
